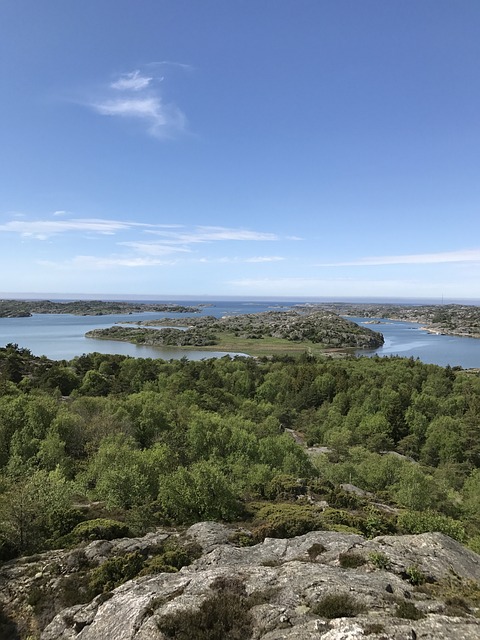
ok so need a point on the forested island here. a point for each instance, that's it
(25, 308)
(292, 331)
(360, 451)
(449, 319)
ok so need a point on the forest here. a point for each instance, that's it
(282, 444)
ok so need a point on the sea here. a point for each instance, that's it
(62, 336)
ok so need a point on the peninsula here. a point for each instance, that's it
(292, 331)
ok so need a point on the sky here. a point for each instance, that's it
(303, 148)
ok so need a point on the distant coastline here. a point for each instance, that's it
(127, 297)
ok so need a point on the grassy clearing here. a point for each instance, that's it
(262, 346)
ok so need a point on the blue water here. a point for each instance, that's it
(63, 336)
(408, 339)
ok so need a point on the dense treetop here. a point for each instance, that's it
(149, 442)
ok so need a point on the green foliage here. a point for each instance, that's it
(415, 576)
(425, 521)
(172, 557)
(201, 492)
(283, 487)
(147, 441)
(338, 605)
(115, 571)
(474, 544)
(286, 521)
(99, 529)
(379, 560)
(36, 511)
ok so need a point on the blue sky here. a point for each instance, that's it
(242, 147)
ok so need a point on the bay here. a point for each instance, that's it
(63, 336)
(409, 339)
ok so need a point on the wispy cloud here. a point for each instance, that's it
(212, 234)
(108, 262)
(42, 229)
(136, 96)
(265, 259)
(133, 81)
(467, 255)
(155, 248)
(238, 260)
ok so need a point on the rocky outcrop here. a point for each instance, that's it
(324, 585)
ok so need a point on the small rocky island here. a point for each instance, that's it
(289, 331)
(26, 308)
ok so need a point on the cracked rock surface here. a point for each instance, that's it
(279, 587)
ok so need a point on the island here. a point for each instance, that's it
(449, 319)
(26, 308)
(271, 332)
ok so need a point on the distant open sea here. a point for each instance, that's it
(62, 336)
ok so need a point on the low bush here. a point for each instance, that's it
(115, 571)
(225, 615)
(408, 611)
(286, 521)
(172, 557)
(338, 605)
(414, 575)
(351, 560)
(379, 560)
(98, 529)
(426, 521)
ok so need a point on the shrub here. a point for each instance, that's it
(425, 521)
(284, 487)
(409, 611)
(351, 560)
(172, 558)
(315, 550)
(456, 606)
(373, 628)
(223, 616)
(344, 518)
(379, 560)
(115, 571)
(338, 605)
(286, 521)
(474, 544)
(415, 575)
(99, 529)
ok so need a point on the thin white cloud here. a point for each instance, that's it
(107, 262)
(212, 234)
(265, 259)
(467, 255)
(42, 229)
(133, 81)
(172, 237)
(154, 248)
(135, 96)
(168, 63)
(237, 260)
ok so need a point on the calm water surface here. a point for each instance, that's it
(408, 339)
(63, 336)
